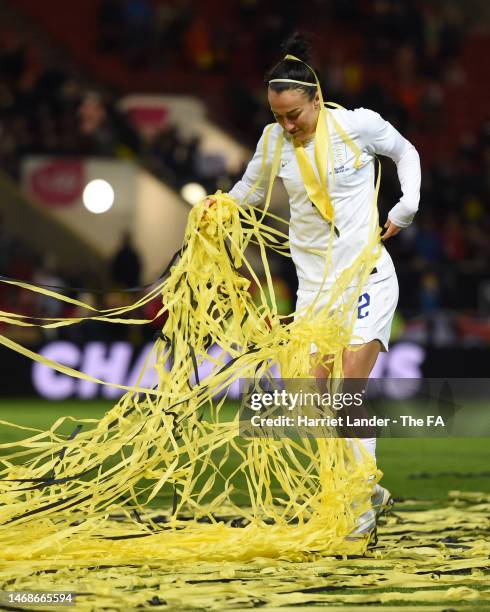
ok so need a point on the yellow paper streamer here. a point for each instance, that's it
(161, 479)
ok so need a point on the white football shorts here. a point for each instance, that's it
(375, 310)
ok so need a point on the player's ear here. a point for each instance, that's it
(316, 101)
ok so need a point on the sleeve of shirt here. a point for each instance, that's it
(241, 190)
(381, 138)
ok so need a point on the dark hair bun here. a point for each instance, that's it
(286, 74)
(299, 45)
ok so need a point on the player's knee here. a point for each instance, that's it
(359, 363)
(352, 369)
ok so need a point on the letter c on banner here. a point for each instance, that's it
(49, 383)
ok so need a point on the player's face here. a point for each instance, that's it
(294, 112)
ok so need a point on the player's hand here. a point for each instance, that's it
(208, 203)
(391, 230)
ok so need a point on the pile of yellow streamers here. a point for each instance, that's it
(302, 495)
(163, 479)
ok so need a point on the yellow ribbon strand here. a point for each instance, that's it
(317, 186)
(316, 190)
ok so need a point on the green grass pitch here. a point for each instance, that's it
(417, 468)
(423, 469)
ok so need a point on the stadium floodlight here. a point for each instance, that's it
(193, 193)
(98, 196)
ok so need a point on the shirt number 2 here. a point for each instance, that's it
(362, 309)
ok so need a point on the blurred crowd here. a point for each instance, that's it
(420, 43)
(442, 259)
(18, 262)
(46, 109)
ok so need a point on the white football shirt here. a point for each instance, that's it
(351, 193)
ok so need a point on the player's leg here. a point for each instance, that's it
(358, 363)
(375, 313)
(358, 360)
(371, 332)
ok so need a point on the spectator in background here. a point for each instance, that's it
(126, 264)
(428, 244)
(111, 26)
(429, 293)
(172, 19)
(198, 45)
(47, 275)
(139, 31)
(432, 106)
(454, 241)
(103, 130)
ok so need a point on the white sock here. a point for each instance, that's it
(370, 445)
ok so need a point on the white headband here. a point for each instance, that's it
(292, 81)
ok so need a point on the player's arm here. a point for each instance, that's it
(251, 187)
(381, 138)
